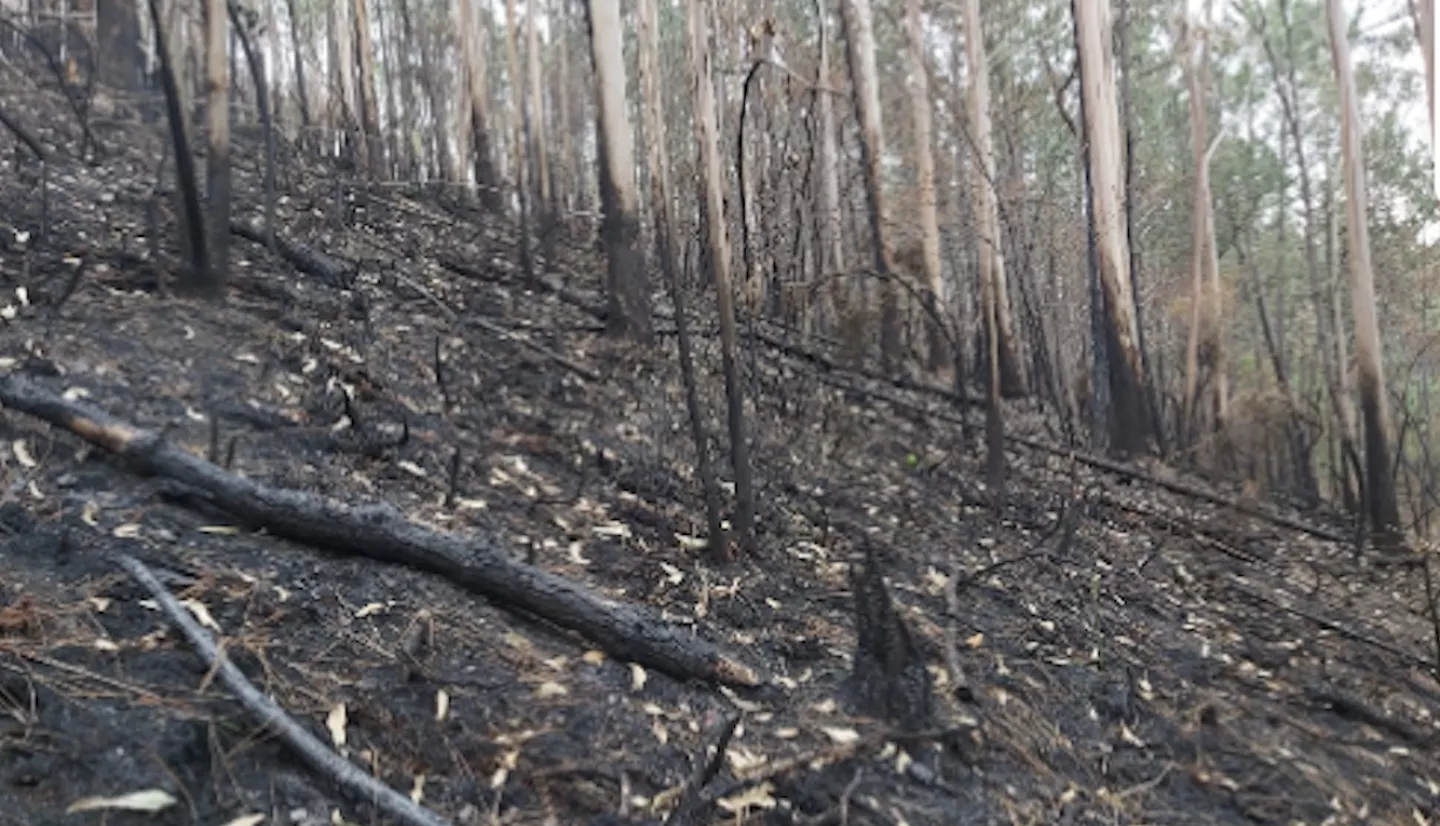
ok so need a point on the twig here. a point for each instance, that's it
(558, 358)
(703, 774)
(1329, 625)
(363, 786)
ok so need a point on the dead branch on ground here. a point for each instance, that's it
(378, 531)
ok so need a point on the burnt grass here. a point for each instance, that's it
(1112, 652)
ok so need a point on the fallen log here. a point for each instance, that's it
(381, 532)
(355, 781)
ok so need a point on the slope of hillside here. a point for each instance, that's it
(1104, 650)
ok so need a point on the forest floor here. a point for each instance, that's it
(1121, 653)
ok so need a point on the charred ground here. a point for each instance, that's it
(1128, 654)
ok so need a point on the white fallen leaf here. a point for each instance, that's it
(412, 468)
(149, 800)
(246, 820)
(100, 604)
(673, 575)
(1128, 737)
(22, 453)
(202, 614)
(692, 543)
(129, 530)
(89, 513)
(104, 644)
(549, 689)
(756, 797)
(842, 736)
(576, 556)
(614, 529)
(23, 295)
(417, 789)
(220, 530)
(370, 610)
(75, 394)
(594, 656)
(662, 734)
(442, 705)
(335, 722)
(637, 677)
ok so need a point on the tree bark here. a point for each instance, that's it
(987, 209)
(300, 86)
(658, 162)
(626, 285)
(210, 281)
(372, 142)
(1129, 425)
(718, 246)
(939, 357)
(832, 251)
(539, 143)
(472, 45)
(860, 47)
(1380, 499)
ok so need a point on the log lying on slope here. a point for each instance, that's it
(381, 532)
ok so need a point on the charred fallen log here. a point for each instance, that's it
(380, 532)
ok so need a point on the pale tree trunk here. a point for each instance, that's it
(396, 130)
(627, 292)
(217, 161)
(993, 281)
(538, 142)
(444, 163)
(565, 183)
(832, 251)
(342, 70)
(1380, 497)
(992, 261)
(1130, 430)
(520, 133)
(860, 47)
(1205, 346)
(372, 143)
(472, 45)
(658, 162)
(411, 153)
(299, 72)
(1424, 13)
(274, 90)
(718, 244)
(939, 356)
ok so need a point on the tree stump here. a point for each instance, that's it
(889, 679)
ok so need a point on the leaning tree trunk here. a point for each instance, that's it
(1380, 499)
(718, 245)
(1129, 425)
(626, 287)
(860, 47)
